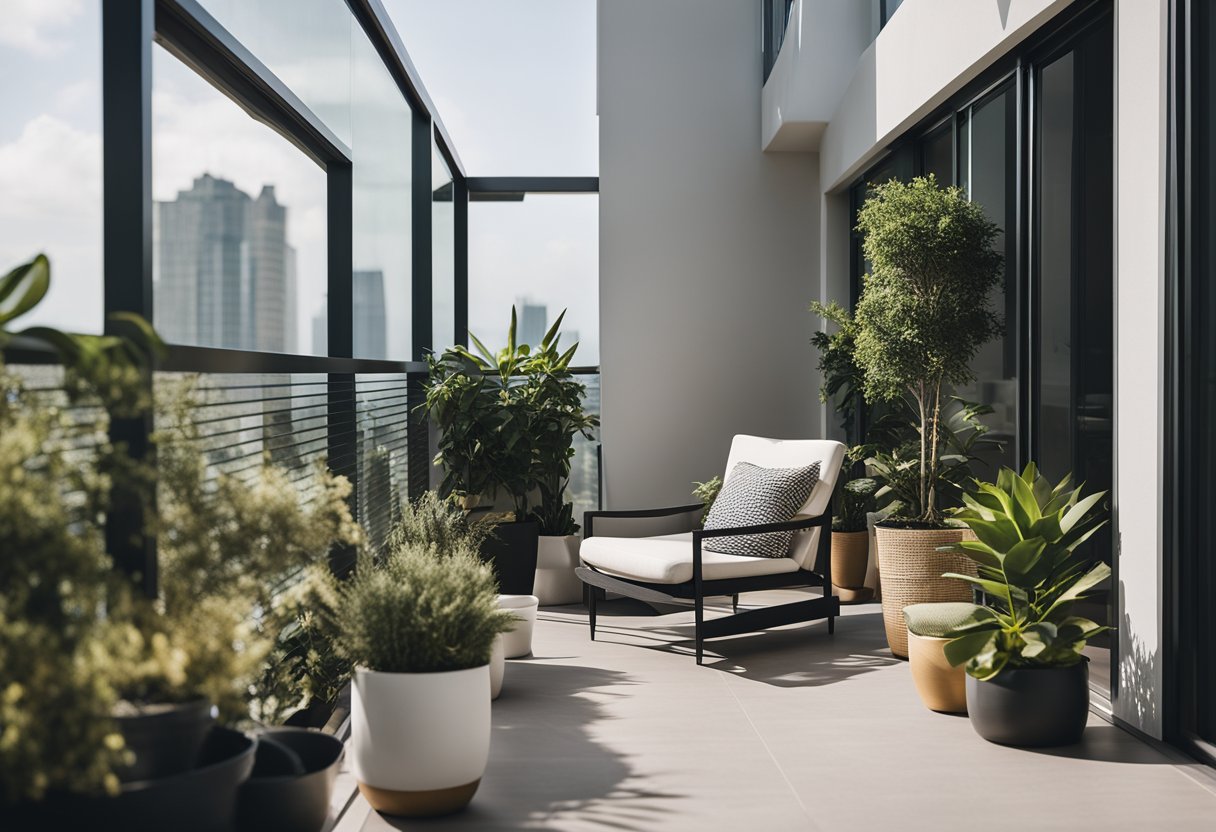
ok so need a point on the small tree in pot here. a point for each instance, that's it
(1028, 682)
(923, 314)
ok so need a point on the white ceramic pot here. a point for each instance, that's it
(498, 667)
(518, 642)
(420, 741)
(556, 558)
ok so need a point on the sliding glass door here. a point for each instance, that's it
(1072, 343)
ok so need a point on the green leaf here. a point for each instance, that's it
(553, 331)
(1039, 636)
(981, 553)
(1022, 558)
(1025, 507)
(1000, 534)
(23, 288)
(994, 588)
(1089, 580)
(1079, 510)
(489, 357)
(966, 647)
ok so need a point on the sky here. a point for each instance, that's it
(513, 80)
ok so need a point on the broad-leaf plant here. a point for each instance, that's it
(1032, 571)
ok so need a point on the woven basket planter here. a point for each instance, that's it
(910, 572)
(850, 557)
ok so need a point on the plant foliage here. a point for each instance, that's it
(707, 492)
(507, 422)
(924, 310)
(1030, 571)
(418, 611)
(857, 501)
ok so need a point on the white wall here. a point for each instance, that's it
(708, 250)
(929, 50)
(1140, 245)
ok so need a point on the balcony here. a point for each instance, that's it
(282, 491)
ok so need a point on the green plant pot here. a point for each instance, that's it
(1031, 707)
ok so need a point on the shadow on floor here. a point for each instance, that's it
(1110, 744)
(799, 656)
(545, 766)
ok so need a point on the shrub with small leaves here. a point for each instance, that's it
(417, 612)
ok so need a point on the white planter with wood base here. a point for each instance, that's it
(556, 560)
(420, 741)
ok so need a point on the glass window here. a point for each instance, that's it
(534, 112)
(443, 253)
(382, 130)
(306, 43)
(50, 155)
(542, 255)
(239, 258)
(986, 173)
(937, 154)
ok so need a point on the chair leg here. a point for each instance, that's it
(700, 618)
(831, 624)
(591, 597)
(734, 603)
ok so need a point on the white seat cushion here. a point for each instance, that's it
(668, 560)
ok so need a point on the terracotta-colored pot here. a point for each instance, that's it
(941, 687)
(850, 557)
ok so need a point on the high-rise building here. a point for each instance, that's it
(532, 322)
(226, 274)
(369, 318)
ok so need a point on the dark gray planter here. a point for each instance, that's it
(165, 738)
(1031, 707)
(292, 782)
(511, 550)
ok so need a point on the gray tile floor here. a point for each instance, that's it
(785, 730)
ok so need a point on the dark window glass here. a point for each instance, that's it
(937, 154)
(1074, 349)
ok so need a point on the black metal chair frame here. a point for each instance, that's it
(698, 589)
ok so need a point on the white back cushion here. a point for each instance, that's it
(795, 453)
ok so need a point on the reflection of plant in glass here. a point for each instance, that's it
(1030, 571)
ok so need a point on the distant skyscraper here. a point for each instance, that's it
(320, 330)
(532, 323)
(226, 274)
(370, 316)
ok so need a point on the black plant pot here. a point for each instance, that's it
(165, 738)
(1031, 707)
(511, 550)
(292, 782)
(200, 800)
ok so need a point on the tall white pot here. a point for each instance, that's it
(518, 642)
(556, 559)
(420, 741)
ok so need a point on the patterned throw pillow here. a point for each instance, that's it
(753, 495)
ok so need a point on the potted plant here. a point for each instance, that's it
(851, 538)
(418, 629)
(485, 448)
(1027, 680)
(553, 399)
(924, 311)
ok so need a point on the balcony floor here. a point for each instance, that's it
(791, 729)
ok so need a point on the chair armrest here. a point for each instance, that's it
(824, 520)
(637, 514)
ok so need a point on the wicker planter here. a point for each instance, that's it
(850, 557)
(910, 572)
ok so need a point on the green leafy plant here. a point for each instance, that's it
(706, 492)
(56, 731)
(842, 378)
(1031, 572)
(857, 501)
(227, 545)
(962, 435)
(507, 421)
(418, 612)
(924, 310)
(113, 367)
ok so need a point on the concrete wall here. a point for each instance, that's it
(708, 250)
(1140, 246)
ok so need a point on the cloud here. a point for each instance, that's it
(31, 25)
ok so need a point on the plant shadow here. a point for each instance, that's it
(1109, 744)
(546, 767)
